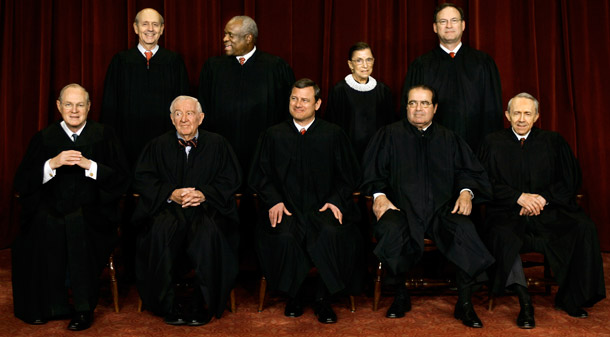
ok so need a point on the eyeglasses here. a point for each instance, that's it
(189, 114)
(443, 22)
(424, 104)
(360, 62)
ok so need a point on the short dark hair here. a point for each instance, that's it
(356, 47)
(445, 5)
(305, 83)
(424, 87)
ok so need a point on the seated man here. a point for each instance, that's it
(535, 178)
(430, 174)
(187, 216)
(69, 182)
(304, 172)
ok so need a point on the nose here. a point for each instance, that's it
(225, 38)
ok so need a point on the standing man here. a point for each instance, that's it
(535, 179)
(69, 182)
(423, 177)
(140, 85)
(466, 80)
(244, 92)
(186, 216)
(305, 172)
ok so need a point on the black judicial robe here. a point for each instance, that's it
(206, 234)
(136, 99)
(68, 224)
(240, 102)
(305, 172)
(422, 175)
(360, 113)
(468, 90)
(545, 165)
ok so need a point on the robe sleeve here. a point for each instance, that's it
(112, 170)
(261, 174)
(335, 109)
(492, 98)
(347, 172)
(284, 79)
(205, 97)
(112, 88)
(567, 179)
(377, 164)
(503, 194)
(469, 173)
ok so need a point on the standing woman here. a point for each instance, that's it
(359, 103)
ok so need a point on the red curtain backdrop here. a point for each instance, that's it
(557, 50)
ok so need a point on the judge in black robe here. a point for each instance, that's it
(422, 167)
(359, 103)
(137, 92)
(241, 101)
(69, 216)
(467, 84)
(543, 167)
(311, 178)
(187, 216)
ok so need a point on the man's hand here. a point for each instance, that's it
(463, 204)
(381, 205)
(336, 212)
(276, 212)
(187, 197)
(531, 204)
(69, 158)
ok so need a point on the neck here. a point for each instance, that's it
(360, 80)
(450, 46)
(148, 46)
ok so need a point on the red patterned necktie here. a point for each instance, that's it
(148, 54)
(452, 54)
(242, 60)
(185, 143)
(303, 131)
(522, 140)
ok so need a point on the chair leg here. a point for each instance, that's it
(233, 306)
(352, 303)
(113, 283)
(490, 302)
(261, 294)
(377, 294)
(139, 304)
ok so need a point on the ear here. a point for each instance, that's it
(463, 25)
(507, 114)
(350, 65)
(201, 119)
(318, 104)
(58, 105)
(250, 39)
(434, 28)
(536, 118)
(135, 27)
(161, 30)
(435, 107)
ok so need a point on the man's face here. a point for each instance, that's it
(74, 108)
(361, 65)
(303, 105)
(522, 115)
(449, 26)
(235, 42)
(149, 28)
(186, 119)
(420, 110)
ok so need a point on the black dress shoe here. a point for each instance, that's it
(574, 312)
(80, 321)
(200, 318)
(294, 308)
(465, 312)
(525, 320)
(174, 318)
(324, 312)
(35, 321)
(400, 306)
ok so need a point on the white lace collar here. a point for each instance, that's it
(368, 86)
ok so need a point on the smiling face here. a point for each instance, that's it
(361, 65)
(186, 118)
(74, 107)
(236, 43)
(148, 27)
(449, 27)
(522, 115)
(303, 105)
(420, 109)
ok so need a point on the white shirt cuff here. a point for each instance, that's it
(92, 171)
(48, 172)
(375, 195)
(469, 190)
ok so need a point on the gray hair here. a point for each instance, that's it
(524, 95)
(172, 107)
(248, 26)
(72, 85)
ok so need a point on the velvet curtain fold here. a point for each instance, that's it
(557, 50)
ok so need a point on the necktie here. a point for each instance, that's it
(74, 136)
(148, 54)
(185, 143)
(242, 60)
(452, 54)
(303, 131)
(522, 140)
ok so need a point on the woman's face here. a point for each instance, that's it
(361, 65)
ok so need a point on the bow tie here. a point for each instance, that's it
(185, 143)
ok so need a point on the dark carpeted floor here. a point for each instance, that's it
(431, 316)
